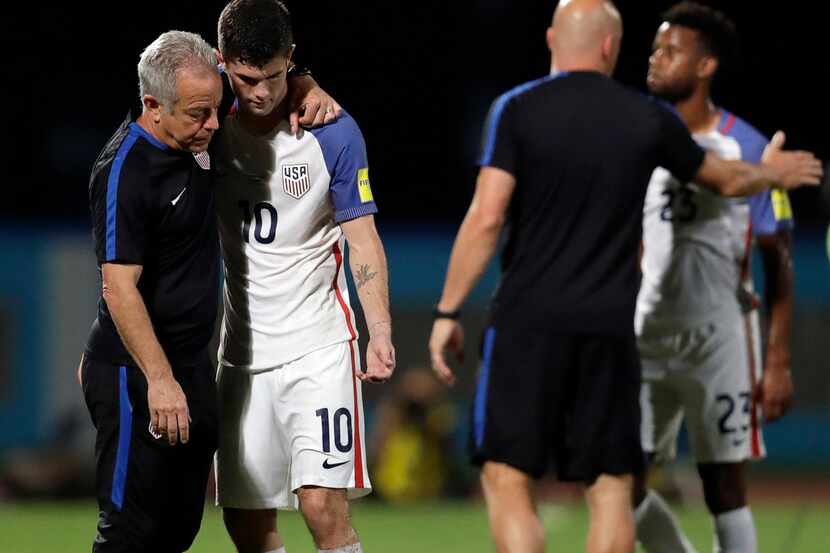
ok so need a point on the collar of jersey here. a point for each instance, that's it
(135, 128)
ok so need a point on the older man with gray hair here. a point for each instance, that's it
(146, 372)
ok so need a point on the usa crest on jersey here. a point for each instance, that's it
(203, 160)
(295, 179)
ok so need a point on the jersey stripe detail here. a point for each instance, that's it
(493, 119)
(358, 446)
(338, 257)
(112, 192)
(125, 427)
(755, 434)
(480, 401)
(135, 128)
(728, 124)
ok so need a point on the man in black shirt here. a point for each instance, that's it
(567, 160)
(147, 377)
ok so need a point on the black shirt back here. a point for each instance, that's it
(582, 149)
(154, 206)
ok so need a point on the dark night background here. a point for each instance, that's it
(417, 76)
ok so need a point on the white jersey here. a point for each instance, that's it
(696, 243)
(279, 201)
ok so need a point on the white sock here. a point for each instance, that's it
(280, 550)
(354, 548)
(657, 529)
(735, 532)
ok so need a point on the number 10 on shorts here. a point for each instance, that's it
(337, 423)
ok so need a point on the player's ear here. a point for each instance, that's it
(219, 59)
(290, 53)
(152, 106)
(549, 38)
(707, 67)
(609, 47)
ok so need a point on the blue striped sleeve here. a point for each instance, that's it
(112, 195)
(344, 152)
(770, 211)
(120, 206)
(499, 141)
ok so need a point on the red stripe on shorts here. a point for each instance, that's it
(358, 446)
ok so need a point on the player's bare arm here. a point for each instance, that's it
(776, 388)
(473, 249)
(779, 168)
(309, 105)
(168, 405)
(368, 265)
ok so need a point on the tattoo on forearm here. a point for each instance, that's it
(363, 275)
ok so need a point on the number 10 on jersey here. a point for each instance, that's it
(261, 234)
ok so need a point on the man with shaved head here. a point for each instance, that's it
(567, 158)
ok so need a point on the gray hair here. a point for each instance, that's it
(171, 52)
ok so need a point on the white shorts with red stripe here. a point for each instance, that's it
(705, 375)
(298, 424)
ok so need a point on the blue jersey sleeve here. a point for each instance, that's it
(120, 206)
(344, 152)
(770, 211)
(500, 141)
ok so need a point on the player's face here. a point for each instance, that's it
(673, 65)
(259, 89)
(194, 118)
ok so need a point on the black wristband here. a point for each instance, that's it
(438, 314)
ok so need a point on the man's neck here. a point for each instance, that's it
(146, 122)
(260, 125)
(698, 111)
(565, 65)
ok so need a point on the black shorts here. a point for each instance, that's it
(150, 495)
(571, 401)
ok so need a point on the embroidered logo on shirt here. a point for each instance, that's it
(202, 160)
(363, 187)
(179, 197)
(295, 179)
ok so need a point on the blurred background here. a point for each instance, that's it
(418, 77)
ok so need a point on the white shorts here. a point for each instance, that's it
(706, 375)
(299, 424)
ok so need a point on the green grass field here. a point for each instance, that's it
(440, 527)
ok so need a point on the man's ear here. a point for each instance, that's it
(707, 67)
(152, 106)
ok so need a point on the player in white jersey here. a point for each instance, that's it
(697, 318)
(292, 427)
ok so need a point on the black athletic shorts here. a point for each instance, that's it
(151, 495)
(551, 400)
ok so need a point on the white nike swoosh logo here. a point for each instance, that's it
(177, 198)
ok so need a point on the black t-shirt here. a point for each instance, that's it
(154, 206)
(582, 149)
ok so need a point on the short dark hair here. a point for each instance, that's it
(255, 31)
(717, 31)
